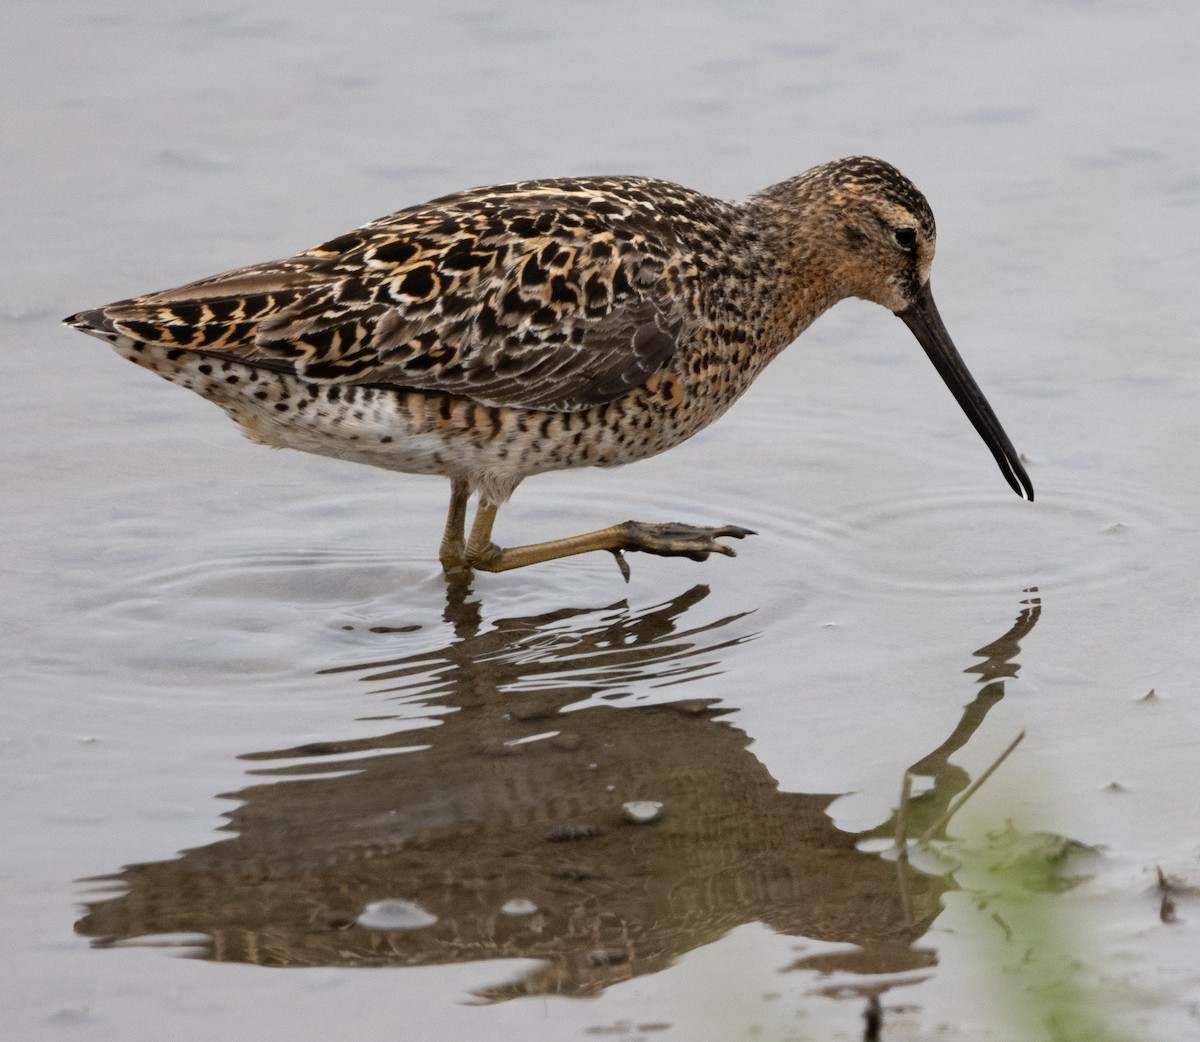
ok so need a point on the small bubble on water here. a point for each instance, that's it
(395, 915)
(642, 812)
(519, 906)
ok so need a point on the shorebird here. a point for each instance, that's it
(514, 329)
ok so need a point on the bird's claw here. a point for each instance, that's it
(679, 540)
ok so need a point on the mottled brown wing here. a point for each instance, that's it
(550, 295)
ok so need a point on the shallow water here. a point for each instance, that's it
(241, 704)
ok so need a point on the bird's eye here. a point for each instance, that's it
(906, 239)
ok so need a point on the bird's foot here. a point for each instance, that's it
(677, 540)
(674, 540)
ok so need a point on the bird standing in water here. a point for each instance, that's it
(515, 329)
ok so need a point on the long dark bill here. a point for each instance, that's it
(923, 319)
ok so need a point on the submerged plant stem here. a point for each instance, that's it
(954, 807)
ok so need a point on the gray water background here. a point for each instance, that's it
(171, 591)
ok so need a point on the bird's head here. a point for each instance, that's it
(862, 229)
(883, 228)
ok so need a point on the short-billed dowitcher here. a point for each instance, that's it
(509, 330)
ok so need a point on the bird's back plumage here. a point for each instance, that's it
(557, 294)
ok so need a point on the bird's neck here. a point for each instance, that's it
(785, 256)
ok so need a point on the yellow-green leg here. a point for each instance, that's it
(666, 540)
(453, 551)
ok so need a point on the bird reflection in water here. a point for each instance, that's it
(508, 805)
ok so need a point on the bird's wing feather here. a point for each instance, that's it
(549, 295)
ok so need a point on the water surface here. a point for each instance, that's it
(241, 704)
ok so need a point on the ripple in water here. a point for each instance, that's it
(248, 611)
(1089, 528)
(967, 543)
